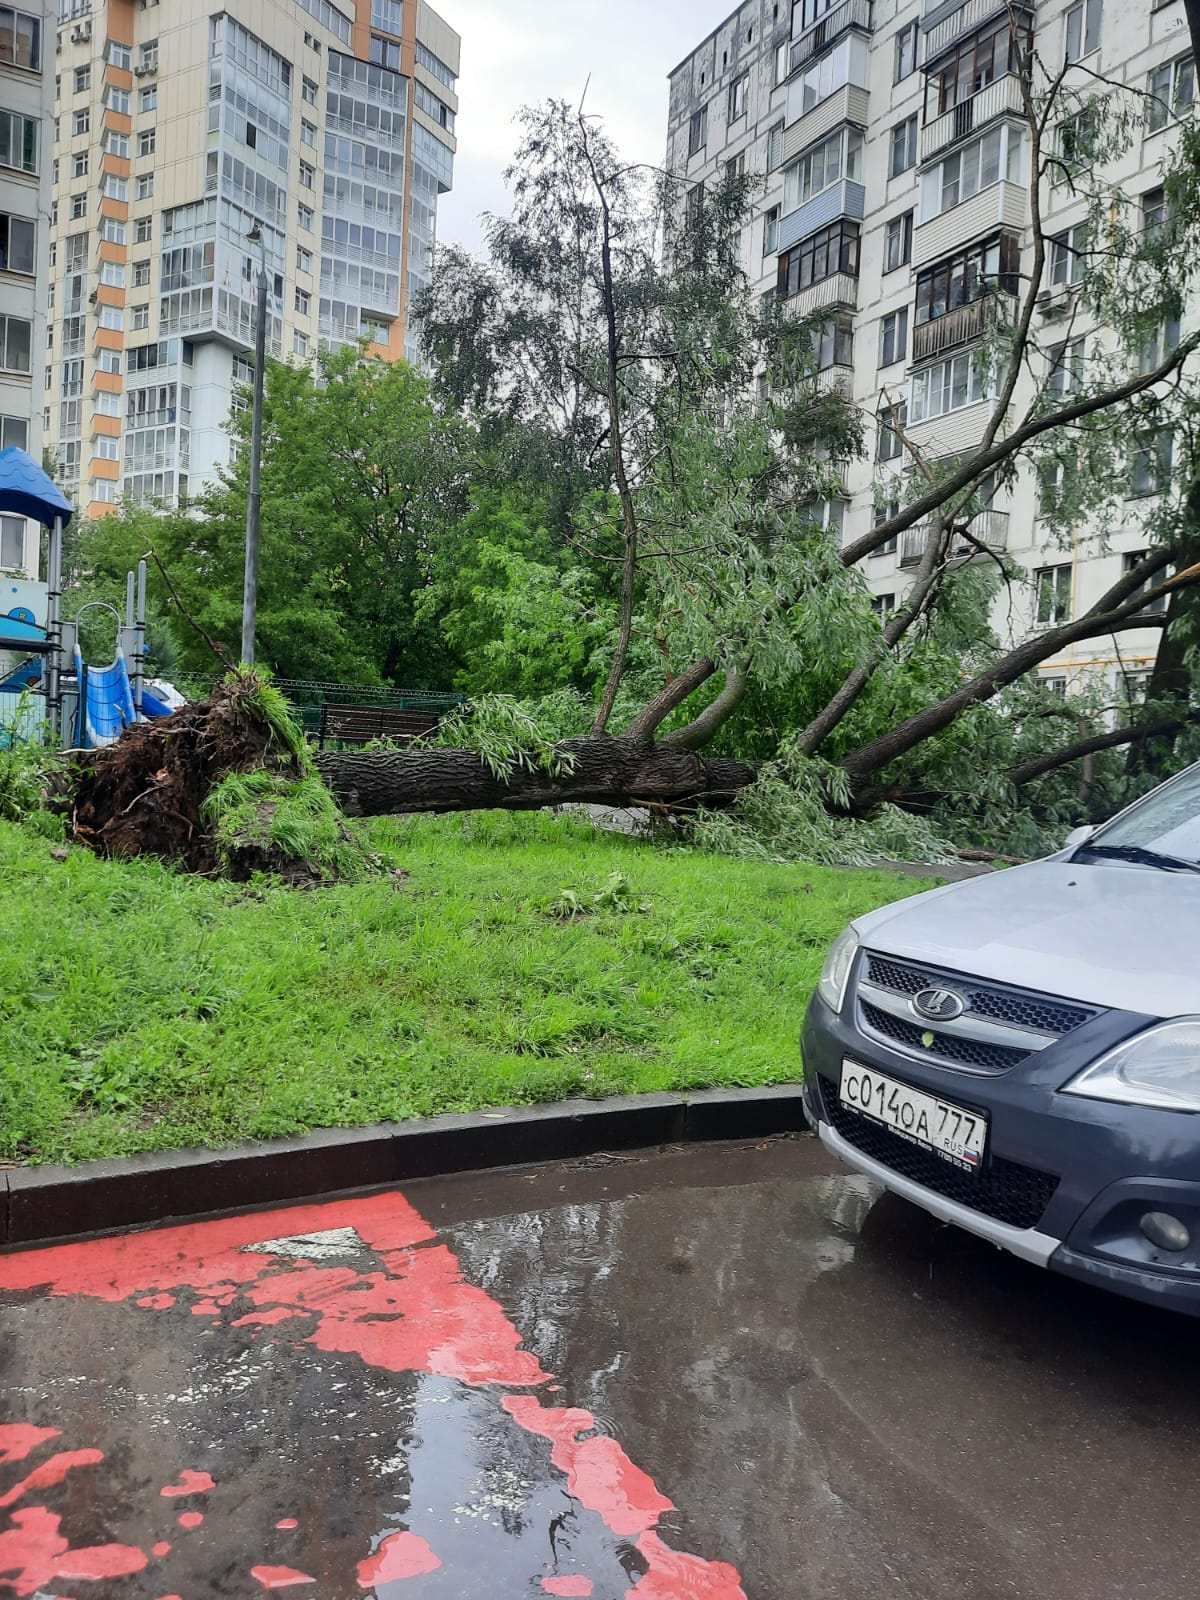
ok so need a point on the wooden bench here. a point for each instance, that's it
(362, 724)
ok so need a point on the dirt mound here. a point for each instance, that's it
(146, 794)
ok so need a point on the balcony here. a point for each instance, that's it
(999, 99)
(942, 32)
(1001, 205)
(850, 14)
(844, 199)
(836, 293)
(989, 528)
(956, 327)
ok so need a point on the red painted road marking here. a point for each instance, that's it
(190, 1519)
(401, 1555)
(51, 1472)
(287, 1522)
(18, 1440)
(279, 1577)
(33, 1553)
(416, 1315)
(161, 1549)
(190, 1482)
(569, 1588)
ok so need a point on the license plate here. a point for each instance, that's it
(953, 1132)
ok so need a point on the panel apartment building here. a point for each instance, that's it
(181, 128)
(26, 153)
(892, 141)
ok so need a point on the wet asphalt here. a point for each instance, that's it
(839, 1398)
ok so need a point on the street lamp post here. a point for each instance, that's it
(254, 499)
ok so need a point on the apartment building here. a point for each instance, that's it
(323, 130)
(26, 152)
(890, 136)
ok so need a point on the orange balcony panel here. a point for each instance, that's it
(107, 295)
(118, 122)
(118, 210)
(109, 339)
(100, 508)
(104, 469)
(119, 166)
(119, 23)
(107, 382)
(118, 77)
(112, 252)
(107, 427)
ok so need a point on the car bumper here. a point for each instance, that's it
(1091, 1157)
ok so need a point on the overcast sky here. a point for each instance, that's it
(518, 52)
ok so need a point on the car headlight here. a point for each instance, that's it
(1160, 1067)
(835, 974)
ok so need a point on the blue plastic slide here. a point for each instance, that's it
(153, 707)
(105, 702)
(25, 676)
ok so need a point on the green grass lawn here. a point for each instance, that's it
(144, 1010)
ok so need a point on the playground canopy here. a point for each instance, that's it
(28, 492)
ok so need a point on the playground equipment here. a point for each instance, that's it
(109, 698)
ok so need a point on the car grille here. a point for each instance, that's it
(1046, 1017)
(1005, 1190)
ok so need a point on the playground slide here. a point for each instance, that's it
(152, 706)
(106, 703)
(25, 676)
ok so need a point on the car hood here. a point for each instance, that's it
(1116, 936)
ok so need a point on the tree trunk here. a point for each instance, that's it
(614, 772)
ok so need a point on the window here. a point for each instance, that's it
(897, 246)
(833, 342)
(305, 217)
(299, 343)
(739, 94)
(698, 130)
(114, 188)
(783, 60)
(1150, 465)
(771, 232)
(893, 337)
(112, 318)
(14, 433)
(883, 511)
(1053, 595)
(308, 91)
(989, 267)
(1172, 90)
(693, 204)
(116, 144)
(1076, 145)
(18, 251)
(1055, 684)
(388, 15)
(1157, 606)
(974, 65)
(12, 541)
(973, 167)
(1067, 255)
(818, 169)
(385, 53)
(103, 492)
(81, 121)
(104, 448)
(106, 405)
(832, 250)
(18, 141)
(78, 207)
(148, 98)
(1065, 374)
(83, 79)
(112, 274)
(735, 167)
(118, 55)
(892, 421)
(304, 259)
(904, 147)
(774, 146)
(143, 230)
(141, 274)
(79, 164)
(108, 360)
(308, 132)
(303, 302)
(1081, 29)
(149, 56)
(948, 386)
(20, 39)
(16, 344)
(307, 175)
(117, 100)
(144, 188)
(906, 51)
(141, 317)
(883, 604)
(1159, 345)
(146, 142)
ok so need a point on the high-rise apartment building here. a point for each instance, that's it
(327, 129)
(893, 146)
(26, 152)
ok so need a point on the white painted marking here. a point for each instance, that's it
(312, 1246)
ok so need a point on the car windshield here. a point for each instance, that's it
(1166, 821)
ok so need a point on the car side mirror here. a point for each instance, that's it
(1078, 836)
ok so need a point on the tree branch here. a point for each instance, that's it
(1028, 770)
(674, 694)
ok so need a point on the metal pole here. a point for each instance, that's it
(54, 626)
(253, 505)
(139, 623)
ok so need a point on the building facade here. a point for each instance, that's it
(26, 154)
(892, 142)
(325, 130)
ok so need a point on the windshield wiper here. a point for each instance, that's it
(1139, 854)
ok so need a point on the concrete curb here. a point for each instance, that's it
(40, 1204)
